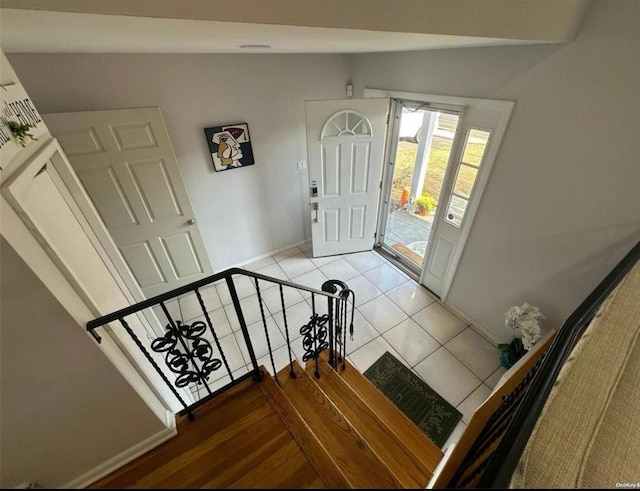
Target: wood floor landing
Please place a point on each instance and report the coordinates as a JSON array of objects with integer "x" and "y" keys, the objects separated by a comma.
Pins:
[
  {"x": 331, "y": 429},
  {"x": 247, "y": 447}
]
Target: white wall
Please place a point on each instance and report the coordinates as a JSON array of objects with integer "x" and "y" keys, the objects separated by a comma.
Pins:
[
  {"x": 562, "y": 205},
  {"x": 68, "y": 416},
  {"x": 65, "y": 409},
  {"x": 244, "y": 212}
]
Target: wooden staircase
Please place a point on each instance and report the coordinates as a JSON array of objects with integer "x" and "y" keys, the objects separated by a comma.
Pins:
[
  {"x": 334, "y": 431},
  {"x": 368, "y": 441}
]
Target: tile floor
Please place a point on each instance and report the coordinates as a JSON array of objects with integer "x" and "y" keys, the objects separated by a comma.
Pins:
[{"x": 393, "y": 313}]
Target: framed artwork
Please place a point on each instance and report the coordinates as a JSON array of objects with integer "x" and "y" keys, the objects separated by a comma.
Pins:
[{"x": 230, "y": 146}]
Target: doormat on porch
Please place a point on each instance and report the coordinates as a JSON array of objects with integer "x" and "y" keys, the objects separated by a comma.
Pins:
[
  {"x": 410, "y": 254},
  {"x": 421, "y": 404}
]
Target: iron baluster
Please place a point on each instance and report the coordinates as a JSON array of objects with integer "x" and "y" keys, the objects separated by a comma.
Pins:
[
  {"x": 343, "y": 330},
  {"x": 315, "y": 334},
  {"x": 344, "y": 341},
  {"x": 266, "y": 331},
  {"x": 329, "y": 287},
  {"x": 257, "y": 375},
  {"x": 153, "y": 363},
  {"x": 353, "y": 312},
  {"x": 213, "y": 332},
  {"x": 286, "y": 331},
  {"x": 333, "y": 340},
  {"x": 337, "y": 328}
]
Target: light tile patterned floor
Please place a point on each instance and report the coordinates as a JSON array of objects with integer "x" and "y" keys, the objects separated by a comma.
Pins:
[{"x": 393, "y": 313}]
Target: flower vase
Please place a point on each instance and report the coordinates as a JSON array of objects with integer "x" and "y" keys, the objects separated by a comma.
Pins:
[
  {"x": 504, "y": 359},
  {"x": 511, "y": 353}
]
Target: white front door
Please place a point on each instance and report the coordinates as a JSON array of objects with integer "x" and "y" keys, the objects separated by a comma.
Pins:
[
  {"x": 126, "y": 163},
  {"x": 345, "y": 146}
]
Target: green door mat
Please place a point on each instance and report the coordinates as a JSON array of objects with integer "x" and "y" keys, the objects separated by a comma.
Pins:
[{"x": 422, "y": 405}]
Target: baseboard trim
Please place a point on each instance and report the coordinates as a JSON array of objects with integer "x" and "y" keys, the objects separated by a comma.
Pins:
[
  {"x": 266, "y": 254},
  {"x": 481, "y": 330},
  {"x": 123, "y": 458}
]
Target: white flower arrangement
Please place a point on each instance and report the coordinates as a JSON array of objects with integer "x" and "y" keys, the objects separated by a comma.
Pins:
[
  {"x": 525, "y": 321},
  {"x": 525, "y": 318}
]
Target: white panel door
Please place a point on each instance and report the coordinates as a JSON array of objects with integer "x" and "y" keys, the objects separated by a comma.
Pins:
[
  {"x": 126, "y": 163},
  {"x": 345, "y": 146}
]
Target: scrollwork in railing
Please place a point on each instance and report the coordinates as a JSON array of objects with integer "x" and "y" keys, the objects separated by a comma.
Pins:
[
  {"x": 190, "y": 357},
  {"x": 314, "y": 336},
  {"x": 184, "y": 363}
]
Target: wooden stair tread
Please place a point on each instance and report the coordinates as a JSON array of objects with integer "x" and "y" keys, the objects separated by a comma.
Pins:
[
  {"x": 308, "y": 442},
  {"x": 419, "y": 445},
  {"x": 389, "y": 449},
  {"x": 348, "y": 449}
]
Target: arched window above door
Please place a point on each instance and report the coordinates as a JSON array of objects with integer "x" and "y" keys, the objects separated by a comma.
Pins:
[{"x": 346, "y": 123}]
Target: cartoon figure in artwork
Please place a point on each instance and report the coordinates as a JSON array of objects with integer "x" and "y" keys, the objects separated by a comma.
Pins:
[
  {"x": 229, "y": 152},
  {"x": 230, "y": 146}
]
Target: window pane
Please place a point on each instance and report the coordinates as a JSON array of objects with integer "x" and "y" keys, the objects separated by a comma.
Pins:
[
  {"x": 465, "y": 180},
  {"x": 441, "y": 145},
  {"x": 475, "y": 146},
  {"x": 455, "y": 212},
  {"x": 405, "y": 159}
]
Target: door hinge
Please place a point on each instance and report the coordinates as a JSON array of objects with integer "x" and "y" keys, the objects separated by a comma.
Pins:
[
  {"x": 375, "y": 234},
  {"x": 380, "y": 185}
]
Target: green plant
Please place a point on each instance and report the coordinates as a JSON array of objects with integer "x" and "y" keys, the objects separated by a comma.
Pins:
[
  {"x": 426, "y": 202},
  {"x": 21, "y": 131}
]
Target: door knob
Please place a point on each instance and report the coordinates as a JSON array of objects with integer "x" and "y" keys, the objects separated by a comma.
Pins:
[{"x": 191, "y": 221}]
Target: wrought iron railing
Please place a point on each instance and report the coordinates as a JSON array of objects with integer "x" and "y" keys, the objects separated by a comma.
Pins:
[{"x": 191, "y": 349}]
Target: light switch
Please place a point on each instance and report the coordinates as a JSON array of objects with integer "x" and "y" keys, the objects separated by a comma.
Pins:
[{"x": 302, "y": 164}]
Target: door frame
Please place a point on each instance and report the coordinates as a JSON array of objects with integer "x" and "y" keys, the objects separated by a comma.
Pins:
[
  {"x": 501, "y": 106},
  {"x": 115, "y": 262},
  {"x": 86, "y": 213},
  {"x": 115, "y": 343},
  {"x": 391, "y": 148}
]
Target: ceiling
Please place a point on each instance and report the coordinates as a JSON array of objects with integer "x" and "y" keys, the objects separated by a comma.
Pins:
[{"x": 216, "y": 26}]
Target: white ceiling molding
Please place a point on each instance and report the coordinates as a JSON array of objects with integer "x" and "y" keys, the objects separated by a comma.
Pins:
[
  {"x": 288, "y": 26},
  {"x": 534, "y": 20}
]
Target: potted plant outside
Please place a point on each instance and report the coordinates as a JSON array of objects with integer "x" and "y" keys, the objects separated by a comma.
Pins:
[{"x": 425, "y": 203}]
